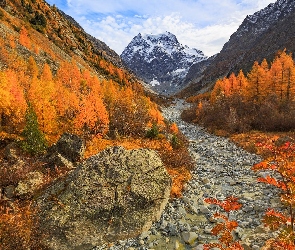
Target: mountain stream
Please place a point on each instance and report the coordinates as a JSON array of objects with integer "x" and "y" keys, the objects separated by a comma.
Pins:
[{"x": 221, "y": 169}]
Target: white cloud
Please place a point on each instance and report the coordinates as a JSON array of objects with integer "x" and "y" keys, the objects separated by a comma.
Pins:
[
  {"x": 202, "y": 24},
  {"x": 118, "y": 32}
]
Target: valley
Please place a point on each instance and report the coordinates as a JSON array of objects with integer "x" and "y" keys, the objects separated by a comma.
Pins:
[
  {"x": 221, "y": 169},
  {"x": 140, "y": 151}
]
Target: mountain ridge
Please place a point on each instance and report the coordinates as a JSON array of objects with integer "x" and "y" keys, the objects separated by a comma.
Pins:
[
  {"x": 260, "y": 36},
  {"x": 160, "y": 60}
]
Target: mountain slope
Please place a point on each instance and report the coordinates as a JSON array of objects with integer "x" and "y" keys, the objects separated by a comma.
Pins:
[
  {"x": 61, "y": 29},
  {"x": 160, "y": 60},
  {"x": 260, "y": 36},
  {"x": 74, "y": 82}
]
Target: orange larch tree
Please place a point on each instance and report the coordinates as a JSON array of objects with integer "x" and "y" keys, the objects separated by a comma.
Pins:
[
  {"x": 24, "y": 38},
  {"x": 41, "y": 95},
  {"x": 242, "y": 83},
  {"x": 5, "y": 98},
  {"x": 275, "y": 78},
  {"x": 18, "y": 105},
  {"x": 46, "y": 74},
  {"x": 287, "y": 77},
  {"x": 217, "y": 91},
  {"x": 255, "y": 83},
  {"x": 92, "y": 118}
]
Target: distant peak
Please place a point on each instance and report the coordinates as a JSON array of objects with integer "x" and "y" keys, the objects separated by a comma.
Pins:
[
  {"x": 160, "y": 60},
  {"x": 161, "y": 35}
]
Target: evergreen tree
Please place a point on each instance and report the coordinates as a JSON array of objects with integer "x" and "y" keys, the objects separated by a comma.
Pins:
[{"x": 34, "y": 140}]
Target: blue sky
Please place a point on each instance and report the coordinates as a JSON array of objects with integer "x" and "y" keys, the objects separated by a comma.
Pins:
[{"x": 200, "y": 24}]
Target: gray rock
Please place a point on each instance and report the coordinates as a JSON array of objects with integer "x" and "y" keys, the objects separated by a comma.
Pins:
[
  {"x": 199, "y": 247},
  {"x": 57, "y": 160},
  {"x": 204, "y": 210},
  {"x": 172, "y": 229},
  {"x": 9, "y": 191},
  {"x": 12, "y": 152},
  {"x": 70, "y": 146},
  {"x": 113, "y": 195},
  {"x": 189, "y": 237},
  {"x": 29, "y": 185}
]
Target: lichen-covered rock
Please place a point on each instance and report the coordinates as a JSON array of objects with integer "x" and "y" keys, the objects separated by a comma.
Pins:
[
  {"x": 57, "y": 160},
  {"x": 28, "y": 186},
  {"x": 70, "y": 146},
  {"x": 113, "y": 195}
]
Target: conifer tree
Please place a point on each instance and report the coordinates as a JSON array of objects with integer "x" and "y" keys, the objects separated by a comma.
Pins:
[{"x": 34, "y": 140}]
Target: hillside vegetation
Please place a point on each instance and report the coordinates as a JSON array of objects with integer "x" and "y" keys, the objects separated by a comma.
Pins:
[
  {"x": 263, "y": 100},
  {"x": 56, "y": 79}
]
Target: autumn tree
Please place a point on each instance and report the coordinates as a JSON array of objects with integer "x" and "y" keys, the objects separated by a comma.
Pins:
[
  {"x": 46, "y": 73},
  {"x": 242, "y": 83},
  {"x": 92, "y": 117},
  {"x": 287, "y": 77},
  {"x": 217, "y": 91},
  {"x": 275, "y": 85},
  {"x": 32, "y": 68},
  {"x": 12, "y": 42},
  {"x": 255, "y": 81},
  {"x": 24, "y": 38},
  {"x": 41, "y": 96},
  {"x": 264, "y": 100},
  {"x": 5, "y": 98},
  {"x": 18, "y": 104}
]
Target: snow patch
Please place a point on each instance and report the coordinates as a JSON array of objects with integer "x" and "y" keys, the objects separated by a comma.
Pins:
[{"x": 154, "y": 82}]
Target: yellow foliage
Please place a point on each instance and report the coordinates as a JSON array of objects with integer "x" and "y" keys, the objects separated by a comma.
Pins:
[
  {"x": 174, "y": 128},
  {"x": 179, "y": 177}
]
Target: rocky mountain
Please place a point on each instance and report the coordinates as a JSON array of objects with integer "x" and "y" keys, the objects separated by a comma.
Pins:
[
  {"x": 160, "y": 60},
  {"x": 260, "y": 36}
]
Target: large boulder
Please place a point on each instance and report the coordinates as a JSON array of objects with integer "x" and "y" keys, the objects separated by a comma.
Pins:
[
  {"x": 68, "y": 149},
  {"x": 113, "y": 195}
]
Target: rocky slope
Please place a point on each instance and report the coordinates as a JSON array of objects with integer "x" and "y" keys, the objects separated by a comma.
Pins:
[
  {"x": 221, "y": 169},
  {"x": 260, "y": 36},
  {"x": 160, "y": 60}
]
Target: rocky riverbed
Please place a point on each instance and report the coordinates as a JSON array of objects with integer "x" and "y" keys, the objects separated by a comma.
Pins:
[{"x": 221, "y": 169}]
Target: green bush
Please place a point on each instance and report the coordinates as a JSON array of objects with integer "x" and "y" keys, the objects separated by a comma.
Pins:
[
  {"x": 39, "y": 20},
  {"x": 175, "y": 142},
  {"x": 34, "y": 140},
  {"x": 153, "y": 132}
]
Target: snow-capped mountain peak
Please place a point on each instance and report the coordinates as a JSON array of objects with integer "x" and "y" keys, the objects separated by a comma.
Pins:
[{"x": 160, "y": 59}]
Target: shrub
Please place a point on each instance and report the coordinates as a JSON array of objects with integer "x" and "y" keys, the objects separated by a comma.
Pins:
[
  {"x": 19, "y": 227},
  {"x": 175, "y": 142},
  {"x": 39, "y": 20},
  {"x": 153, "y": 132},
  {"x": 236, "y": 115}
]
